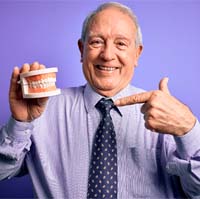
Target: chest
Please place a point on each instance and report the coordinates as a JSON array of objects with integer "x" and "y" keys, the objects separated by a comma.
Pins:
[{"x": 63, "y": 144}]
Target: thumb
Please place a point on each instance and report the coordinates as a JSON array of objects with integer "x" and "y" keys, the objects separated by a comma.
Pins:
[{"x": 163, "y": 85}]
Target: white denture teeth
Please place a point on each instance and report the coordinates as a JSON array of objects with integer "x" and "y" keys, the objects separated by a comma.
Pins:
[{"x": 44, "y": 83}]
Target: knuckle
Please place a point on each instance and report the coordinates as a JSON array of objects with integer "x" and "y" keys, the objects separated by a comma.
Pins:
[
  {"x": 156, "y": 93},
  {"x": 129, "y": 100},
  {"x": 152, "y": 113},
  {"x": 135, "y": 98},
  {"x": 155, "y": 99},
  {"x": 124, "y": 101},
  {"x": 153, "y": 104},
  {"x": 149, "y": 124}
]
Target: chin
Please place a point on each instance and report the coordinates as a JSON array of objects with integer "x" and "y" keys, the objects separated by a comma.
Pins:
[
  {"x": 106, "y": 87},
  {"x": 107, "y": 91}
]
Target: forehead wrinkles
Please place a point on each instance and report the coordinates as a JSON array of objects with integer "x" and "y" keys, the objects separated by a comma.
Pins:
[{"x": 110, "y": 22}]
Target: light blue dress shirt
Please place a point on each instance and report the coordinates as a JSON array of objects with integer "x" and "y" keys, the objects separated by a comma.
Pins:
[{"x": 55, "y": 150}]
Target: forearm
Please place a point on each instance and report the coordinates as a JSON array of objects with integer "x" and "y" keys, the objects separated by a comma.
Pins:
[
  {"x": 185, "y": 161},
  {"x": 14, "y": 144}
]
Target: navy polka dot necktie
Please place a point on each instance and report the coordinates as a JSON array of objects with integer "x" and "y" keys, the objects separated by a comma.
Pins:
[{"x": 102, "y": 182}]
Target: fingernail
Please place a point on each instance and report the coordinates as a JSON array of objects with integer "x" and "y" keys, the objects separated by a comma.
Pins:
[
  {"x": 117, "y": 102},
  {"x": 16, "y": 68},
  {"x": 36, "y": 62}
]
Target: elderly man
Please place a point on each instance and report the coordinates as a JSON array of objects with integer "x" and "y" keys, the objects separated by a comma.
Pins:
[{"x": 82, "y": 145}]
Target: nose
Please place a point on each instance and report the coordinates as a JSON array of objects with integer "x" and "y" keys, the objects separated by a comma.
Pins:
[{"x": 107, "y": 52}]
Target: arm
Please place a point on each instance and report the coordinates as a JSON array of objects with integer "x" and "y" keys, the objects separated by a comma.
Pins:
[
  {"x": 14, "y": 144},
  {"x": 184, "y": 161},
  {"x": 165, "y": 114},
  {"x": 15, "y": 136}
]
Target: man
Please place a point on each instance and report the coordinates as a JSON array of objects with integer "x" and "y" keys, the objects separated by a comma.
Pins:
[{"x": 157, "y": 137}]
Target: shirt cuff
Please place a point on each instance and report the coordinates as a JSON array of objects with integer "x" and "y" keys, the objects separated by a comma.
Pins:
[
  {"x": 189, "y": 144},
  {"x": 19, "y": 131}
]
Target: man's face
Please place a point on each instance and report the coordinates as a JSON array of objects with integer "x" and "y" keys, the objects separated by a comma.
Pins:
[{"x": 109, "y": 54}]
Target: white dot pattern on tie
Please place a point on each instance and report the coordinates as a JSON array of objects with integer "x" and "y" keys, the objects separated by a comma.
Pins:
[{"x": 102, "y": 182}]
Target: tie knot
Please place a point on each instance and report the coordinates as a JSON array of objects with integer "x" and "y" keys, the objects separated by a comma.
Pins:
[{"x": 104, "y": 105}]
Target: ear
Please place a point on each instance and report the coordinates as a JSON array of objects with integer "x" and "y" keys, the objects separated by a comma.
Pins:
[
  {"x": 80, "y": 46},
  {"x": 138, "y": 53}
]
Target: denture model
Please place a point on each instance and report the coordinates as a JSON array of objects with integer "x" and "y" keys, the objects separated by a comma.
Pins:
[{"x": 39, "y": 83}]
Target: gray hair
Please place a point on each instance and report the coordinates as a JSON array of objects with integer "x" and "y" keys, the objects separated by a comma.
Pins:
[{"x": 122, "y": 8}]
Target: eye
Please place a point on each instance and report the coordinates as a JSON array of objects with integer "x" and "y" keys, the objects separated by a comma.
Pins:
[
  {"x": 96, "y": 43},
  {"x": 121, "y": 45}
]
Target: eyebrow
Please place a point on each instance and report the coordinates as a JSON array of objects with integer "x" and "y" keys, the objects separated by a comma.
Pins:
[{"x": 117, "y": 36}]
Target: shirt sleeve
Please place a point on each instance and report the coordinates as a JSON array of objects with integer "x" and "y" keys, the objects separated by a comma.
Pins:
[
  {"x": 185, "y": 161},
  {"x": 15, "y": 142}
]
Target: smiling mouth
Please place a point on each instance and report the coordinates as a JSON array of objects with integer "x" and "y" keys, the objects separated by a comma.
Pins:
[{"x": 106, "y": 68}]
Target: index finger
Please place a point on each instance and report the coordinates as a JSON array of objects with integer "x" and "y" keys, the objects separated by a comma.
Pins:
[
  {"x": 25, "y": 68},
  {"x": 134, "y": 99}
]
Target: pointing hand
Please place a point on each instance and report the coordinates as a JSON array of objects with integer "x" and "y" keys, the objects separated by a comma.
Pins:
[{"x": 162, "y": 112}]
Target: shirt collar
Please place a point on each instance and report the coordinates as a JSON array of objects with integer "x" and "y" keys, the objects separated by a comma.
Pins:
[{"x": 91, "y": 98}]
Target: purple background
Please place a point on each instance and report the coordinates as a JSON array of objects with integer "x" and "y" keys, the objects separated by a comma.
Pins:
[{"x": 47, "y": 31}]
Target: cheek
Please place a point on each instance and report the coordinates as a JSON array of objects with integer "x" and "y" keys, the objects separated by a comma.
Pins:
[
  {"x": 128, "y": 73},
  {"x": 87, "y": 68},
  {"x": 89, "y": 58},
  {"x": 128, "y": 68},
  {"x": 128, "y": 62},
  {"x": 131, "y": 57}
]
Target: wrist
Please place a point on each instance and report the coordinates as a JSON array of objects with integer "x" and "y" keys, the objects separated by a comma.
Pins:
[
  {"x": 22, "y": 120},
  {"x": 187, "y": 126}
]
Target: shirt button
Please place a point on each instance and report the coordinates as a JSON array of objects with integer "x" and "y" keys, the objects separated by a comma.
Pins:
[{"x": 27, "y": 131}]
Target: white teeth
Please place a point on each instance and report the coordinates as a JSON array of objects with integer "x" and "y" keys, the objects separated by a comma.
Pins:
[
  {"x": 43, "y": 83},
  {"x": 106, "y": 68}
]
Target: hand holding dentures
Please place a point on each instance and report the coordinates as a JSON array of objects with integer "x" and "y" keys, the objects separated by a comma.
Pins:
[{"x": 30, "y": 88}]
